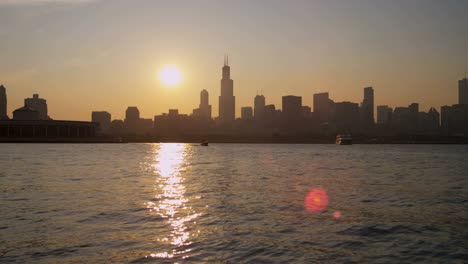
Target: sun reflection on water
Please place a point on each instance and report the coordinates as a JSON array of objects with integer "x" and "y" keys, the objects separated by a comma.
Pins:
[{"x": 171, "y": 202}]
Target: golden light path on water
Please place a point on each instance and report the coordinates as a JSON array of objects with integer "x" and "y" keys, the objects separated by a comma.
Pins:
[{"x": 171, "y": 203}]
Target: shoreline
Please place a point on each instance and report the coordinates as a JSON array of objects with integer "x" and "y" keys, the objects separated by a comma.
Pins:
[{"x": 242, "y": 140}]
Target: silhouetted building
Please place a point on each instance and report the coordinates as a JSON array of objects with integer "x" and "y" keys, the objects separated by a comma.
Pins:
[
  {"x": 44, "y": 130},
  {"x": 3, "y": 103},
  {"x": 204, "y": 110},
  {"x": 26, "y": 113},
  {"x": 346, "y": 115},
  {"x": 322, "y": 107},
  {"x": 227, "y": 100},
  {"x": 38, "y": 104},
  {"x": 246, "y": 113},
  {"x": 367, "y": 107},
  {"x": 306, "y": 111},
  {"x": 413, "y": 118},
  {"x": 117, "y": 127},
  {"x": 103, "y": 118},
  {"x": 429, "y": 123},
  {"x": 270, "y": 113},
  {"x": 291, "y": 107},
  {"x": 145, "y": 126},
  {"x": 463, "y": 91},
  {"x": 406, "y": 119},
  {"x": 384, "y": 114},
  {"x": 133, "y": 124},
  {"x": 132, "y": 118},
  {"x": 401, "y": 119},
  {"x": 173, "y": 112},
  {"x": 173, "y": 124},
  {"x": 132, "y": 114},
  {"x": 414, "y": 107},
  {"x": 259, "y": 107},
  {"x": 454, "y": 120}
]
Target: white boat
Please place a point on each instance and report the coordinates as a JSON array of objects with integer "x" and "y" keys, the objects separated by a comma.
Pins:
[{"x": 344, "y": 139}]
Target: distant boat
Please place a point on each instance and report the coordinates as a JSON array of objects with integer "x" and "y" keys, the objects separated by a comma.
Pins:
[
  {"x": 204, "y": 143},
  {"x": 344, "y": 139}
]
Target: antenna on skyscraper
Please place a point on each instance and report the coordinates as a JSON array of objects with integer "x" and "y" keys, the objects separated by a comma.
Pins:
[{"x": 226, "y": 60}]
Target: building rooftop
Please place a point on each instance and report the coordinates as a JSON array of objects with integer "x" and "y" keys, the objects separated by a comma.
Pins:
[{"x": 25, "y": 109}]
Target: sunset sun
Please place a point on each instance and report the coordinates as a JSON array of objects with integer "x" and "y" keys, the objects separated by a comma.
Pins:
[{"x": 170, "y": 75}]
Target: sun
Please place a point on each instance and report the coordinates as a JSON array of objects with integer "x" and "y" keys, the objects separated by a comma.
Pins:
[{"x": 170, "y": 75}]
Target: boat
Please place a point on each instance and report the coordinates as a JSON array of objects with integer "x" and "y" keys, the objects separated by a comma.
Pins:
[
  {"x": 344, "y": 139},
  {"x": 204, "y": 143}
]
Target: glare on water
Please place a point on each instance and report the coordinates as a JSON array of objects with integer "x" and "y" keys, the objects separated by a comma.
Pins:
[{"x": 170, "y": 201}]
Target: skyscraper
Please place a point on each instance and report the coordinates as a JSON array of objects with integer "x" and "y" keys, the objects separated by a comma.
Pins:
[
  {"x": 367, "y": 107},
  {"x": 413, "y": 117},
  {"x": 204, "y": 108},
  {"x": 259, "y": 107},
  {"x": 270, "y": 111},
  {"x": 292, "y": 107},
  {"x": 204, "y": 98},
  {"x": 103, "y": 118},
  {"x": 132, "y": 114},
  {"x": 227, "y": 100},
  {"x": 463, "y": 91},
  {"x": 3, "y": 102},
  {"x": 38, "y": 104},
  {"x": 246, "y": 113},
  {"x": 322, "y": 107},
  {"x": 384, "y": 114},
  {"x": 132, "y": 122},
  {"x": 306, "y": 111},
  {"x": 346, "y": 116}
]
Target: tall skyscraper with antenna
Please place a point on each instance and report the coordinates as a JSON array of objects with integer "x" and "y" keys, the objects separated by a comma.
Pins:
[{"x": 227, "y": 100}]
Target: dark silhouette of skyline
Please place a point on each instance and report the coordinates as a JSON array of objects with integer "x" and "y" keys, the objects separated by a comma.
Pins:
[{"x": 327, "y": 118}]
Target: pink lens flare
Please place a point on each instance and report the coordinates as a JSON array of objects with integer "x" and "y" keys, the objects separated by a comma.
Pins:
[
  {"x": 316, "y": 200},
  {"x": 337, "y": 214}
]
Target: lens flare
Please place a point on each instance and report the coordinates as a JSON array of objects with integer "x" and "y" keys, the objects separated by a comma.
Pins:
[
  {"x": 337, "y": 214},
  {"x": 316, "y": 200}
]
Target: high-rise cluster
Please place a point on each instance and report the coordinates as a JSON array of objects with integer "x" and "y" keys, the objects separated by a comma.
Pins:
[{"x": 292, "y": 117}]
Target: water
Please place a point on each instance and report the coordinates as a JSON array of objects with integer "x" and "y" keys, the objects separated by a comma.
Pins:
[{"x": 232, "y": 203}]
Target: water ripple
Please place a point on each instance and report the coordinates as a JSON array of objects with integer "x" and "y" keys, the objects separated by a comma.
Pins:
[{"x": 232, "y": 203}]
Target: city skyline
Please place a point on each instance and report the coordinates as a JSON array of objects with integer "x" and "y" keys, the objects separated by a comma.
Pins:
[
  {"x": 409, "y": 52},
  {"x": 370, "y": 110},
  {"x": 121, "y": 115}
]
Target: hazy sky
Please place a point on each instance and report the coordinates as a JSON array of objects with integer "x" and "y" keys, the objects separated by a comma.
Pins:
[{"x": 85, "y": 55}]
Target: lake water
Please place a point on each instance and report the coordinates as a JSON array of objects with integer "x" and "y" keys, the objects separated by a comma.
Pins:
[{"x": 233, "y": 203}]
